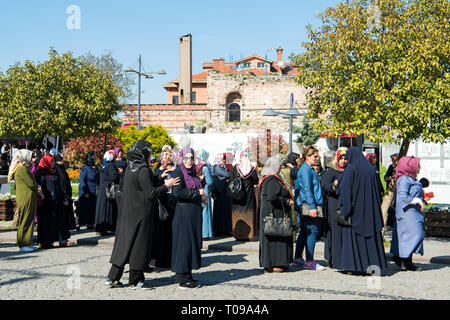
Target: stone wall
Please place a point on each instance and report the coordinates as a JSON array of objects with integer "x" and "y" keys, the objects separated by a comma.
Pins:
[
  {"x": 254, "y": 94},
  {"x": 257, "y": 94}
]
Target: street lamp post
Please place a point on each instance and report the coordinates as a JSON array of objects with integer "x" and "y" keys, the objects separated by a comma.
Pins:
[
  {"x": 291, "y": 114},
  {"x": 147, "y": 75}
]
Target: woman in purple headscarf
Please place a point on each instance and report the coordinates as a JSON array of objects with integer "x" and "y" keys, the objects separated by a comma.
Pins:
[
  {"x": 407, "y": 237},
  {"x": 187, "y": 222}
]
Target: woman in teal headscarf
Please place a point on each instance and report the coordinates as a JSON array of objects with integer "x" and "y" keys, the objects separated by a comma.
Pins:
[{"x": 206, "y": 172}]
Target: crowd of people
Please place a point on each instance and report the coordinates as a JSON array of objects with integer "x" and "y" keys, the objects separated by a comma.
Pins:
[{"x": 160, "y": 213}]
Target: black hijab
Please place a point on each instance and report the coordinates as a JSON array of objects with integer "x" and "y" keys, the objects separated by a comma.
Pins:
[
  {"x": 89, "y": 159},
  {"x": 138, "y": 154},
  {"x": 366, "y": 212}
]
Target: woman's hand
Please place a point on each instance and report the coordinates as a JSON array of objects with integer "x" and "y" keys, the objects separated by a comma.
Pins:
[
  {"x": 172, "y": 182},
  {"x": 291, "y": 202},
  {"x": 202, "y": 192},
  {"x": 422, "y": 207},
  {"x": 120, "y": 170},
  {"x": 166, "y": 173},
  {"x": 336, "y": 183},
  {"x": 313, "y": 213}
]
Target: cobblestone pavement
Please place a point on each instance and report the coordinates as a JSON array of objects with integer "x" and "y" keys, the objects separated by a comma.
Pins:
[{"x": 79, "y": 273}]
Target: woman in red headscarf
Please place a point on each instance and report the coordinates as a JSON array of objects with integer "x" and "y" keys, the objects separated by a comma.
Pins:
[
  {"x": 409, "y": 214},
  {"x": 50, "y": 215}
]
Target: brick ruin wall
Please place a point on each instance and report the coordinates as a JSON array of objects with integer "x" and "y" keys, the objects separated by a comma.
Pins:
[{"x": 254, "y": 94}]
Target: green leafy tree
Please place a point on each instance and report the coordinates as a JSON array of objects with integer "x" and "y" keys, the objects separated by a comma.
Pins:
[
  {"x": 380, "y": 69},
  {"x": 156, "y": 135},
  {"x": 63, "y": 96},
  {"x": 307, "y": 135}
]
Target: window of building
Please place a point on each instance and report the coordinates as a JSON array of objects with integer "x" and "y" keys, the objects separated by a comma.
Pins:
[
  {"x": 194, "y": 97},
  {"x": 175, "y": 100},
  {"x": 261, "y": 64},
  {"x": 246, "y": 65},
  {"x": 234, "y": 112}
]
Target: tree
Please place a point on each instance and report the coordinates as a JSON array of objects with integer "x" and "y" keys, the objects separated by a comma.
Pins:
[
  {"x": 380, "y": 69},
  {"x": 307, "y": 135},
  {"x": 107, "y": 63},
  {"x": 63, "y": 96},
  {"x": 156, "y": 135}
]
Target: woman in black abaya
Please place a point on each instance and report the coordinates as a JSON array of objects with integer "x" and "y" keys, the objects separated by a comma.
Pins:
[
  {"x": 133, "y": 241},
  {"x": 359, "y": 197}
]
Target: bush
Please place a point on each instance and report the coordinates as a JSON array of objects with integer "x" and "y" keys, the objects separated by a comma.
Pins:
[
  {"x": 156, "y": 135},
  {"x": 77, "y": 149}
]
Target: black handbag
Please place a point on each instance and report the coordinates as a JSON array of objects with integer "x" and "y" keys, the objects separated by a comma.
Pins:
[
  {"x": 112, "y": 191},
  {"x": 278, "y": 227},
  {"x": 163, "y": 214},
  {"x": 339, "y": 218},
  {"x": 237, "y": 189}
]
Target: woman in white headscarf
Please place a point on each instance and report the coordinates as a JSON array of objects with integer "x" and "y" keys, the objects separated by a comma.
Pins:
[
  {"x": 244, "y": 215},
  {"x": 26, "y": 198},
  {"x": 275, "y": 253}
]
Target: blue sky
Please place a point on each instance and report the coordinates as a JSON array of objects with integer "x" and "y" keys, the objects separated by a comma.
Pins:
[{"x": 228, "y": 29}]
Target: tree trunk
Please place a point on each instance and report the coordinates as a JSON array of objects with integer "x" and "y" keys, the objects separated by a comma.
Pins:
[{"x": 391, "y": 186}]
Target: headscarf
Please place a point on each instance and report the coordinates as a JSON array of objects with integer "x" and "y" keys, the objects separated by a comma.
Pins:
[
  {"x": 228, "y": 157},
  {"x": 45, "y": 165},
  {"x": 116, "y": 152},
  {"x": 272, "y": 165},
  {"x": 191, "y": 178},
  {"x": 138, "y": 155},
  {"x": 202, "y": 156},
  {"x": 292, "y": 158},
  {"x": 341, "y": 151},
  {"x": 107, "y": 157},
  {"x": 245, "y": 166},
  {"x": 22, "y": 157},
  {"x": 89, "y": 159},
  {"x": 407, "y": 166},
  {"x": 371, "y": 157},
  {"x": 164, "y": 161}
]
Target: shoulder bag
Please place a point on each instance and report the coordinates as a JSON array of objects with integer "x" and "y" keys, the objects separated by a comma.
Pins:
[
  {"x": 112, "y": 191},
  {"x": 278, "y": 227}
]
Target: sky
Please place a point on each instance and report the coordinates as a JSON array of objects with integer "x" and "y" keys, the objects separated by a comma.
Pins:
[{"x": 227, "y": 29}]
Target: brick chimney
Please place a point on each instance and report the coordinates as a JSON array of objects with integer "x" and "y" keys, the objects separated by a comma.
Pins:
[
  {"x": 185, "y": 85},
  {"x": 280, "y": 54}
]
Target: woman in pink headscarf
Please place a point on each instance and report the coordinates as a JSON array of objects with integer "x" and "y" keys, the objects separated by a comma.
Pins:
[{"x": 409, "y": 214}]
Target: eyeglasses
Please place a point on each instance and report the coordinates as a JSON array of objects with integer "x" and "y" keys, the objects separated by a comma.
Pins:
[{"x": 188, "y": 158}]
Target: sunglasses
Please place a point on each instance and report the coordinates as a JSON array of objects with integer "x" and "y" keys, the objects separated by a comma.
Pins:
[{"x": 188, "y": 158}]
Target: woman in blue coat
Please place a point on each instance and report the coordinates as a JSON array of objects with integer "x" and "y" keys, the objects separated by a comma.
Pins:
[
  {"x": 409, "y": 214},
  {"x": 87, "y": 198},
  {"x": 207, "y": 175}
]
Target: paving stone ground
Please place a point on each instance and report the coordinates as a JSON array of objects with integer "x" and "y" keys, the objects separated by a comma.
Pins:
[{"x": 79, "y": 273}]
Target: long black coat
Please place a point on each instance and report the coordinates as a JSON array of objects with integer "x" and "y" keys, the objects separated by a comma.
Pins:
[
  {"x": 333, "y": 234},
  {"x": 274, "y": 251},
  {"x": 66, "y": 188},
  {"x": 362, "y": 243},
  {"x": 162, "y": 237},
  {"x": 222, "y": 221},
  {"x": 50, "y": 215},
  {"x": 249, "y": 202},
  {"x": 133, "y": 241},
  {"x": 106, "y": 209},
  {"x": 186, "y": 227}
]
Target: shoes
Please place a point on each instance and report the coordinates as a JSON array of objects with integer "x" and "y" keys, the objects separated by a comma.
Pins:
[
  {"x": 313, "y": 265},
  {"x": 67, "y": 244},
  {"x": 150, "y": 269},
  {"x": 410, "y": 267},
  {"x": 113, "y": 284},
  {"x": 46, "y": 246},
  {"x": 27, "y": 249},
  {"x": 299, "y": 262},
  {"x": 141, "y": 286},
  {"x": 397, "y": 261},
  {"x": 193, "y": 284}
]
